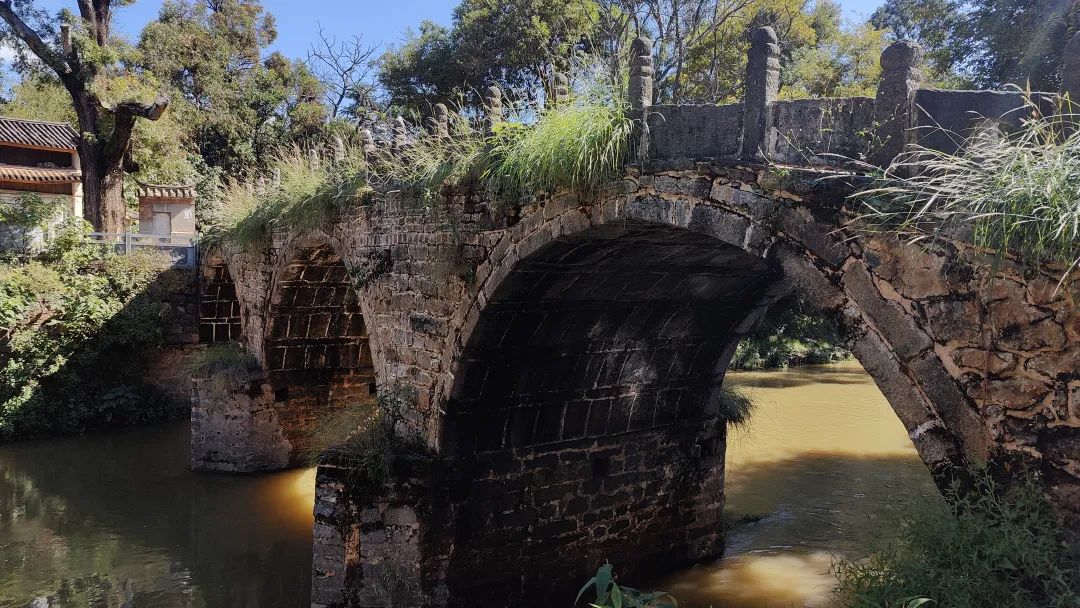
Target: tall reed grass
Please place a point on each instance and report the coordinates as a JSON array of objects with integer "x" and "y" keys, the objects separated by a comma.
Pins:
[
  {"x": 580, "y": 144},
  {"x": 1014, "y": 193}
]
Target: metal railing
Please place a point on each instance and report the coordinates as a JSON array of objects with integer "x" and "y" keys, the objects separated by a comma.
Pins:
[{"x": 181, "y": 248}]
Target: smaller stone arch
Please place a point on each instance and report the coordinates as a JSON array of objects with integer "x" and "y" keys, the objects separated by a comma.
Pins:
[
  {"x": 317, "y": 349},
  {"x": 219, "y": 306}
]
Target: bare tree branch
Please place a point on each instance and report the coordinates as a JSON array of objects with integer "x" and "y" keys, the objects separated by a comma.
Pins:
[
  {"x": 38, "y": 46},
  {"x": 343, "y": 68}
]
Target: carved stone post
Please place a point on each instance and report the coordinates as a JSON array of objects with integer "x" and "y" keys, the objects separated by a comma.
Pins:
[
  {"x": 313, "y": 159},
  {"x": 275, "y": 178},
  {"x": 762, "y": 89},
  {"x": 399, "y": 135},
  {"x": 1070, "y": 71},
  {"x": 440, "y": 122},
  {"x": 894, "y": 109},
  {"x": 339, "y": 150},
  {"x": 493, "y": 108},
  {"x": 641, "y": 91},
  {"x": 560, "y": 90},
  {"x": 367, "y": 141},
  {"x": 641, "y": 74}
]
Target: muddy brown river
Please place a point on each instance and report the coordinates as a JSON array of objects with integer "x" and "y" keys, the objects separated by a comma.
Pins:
[{"x": 117, "y": 520}]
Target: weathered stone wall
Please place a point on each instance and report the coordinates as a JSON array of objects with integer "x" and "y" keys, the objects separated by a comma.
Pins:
[
  {"x": 235, "y": 427},
  {"x": 822, "y": 131}
]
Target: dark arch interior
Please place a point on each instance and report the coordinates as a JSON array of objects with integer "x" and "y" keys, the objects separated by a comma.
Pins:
[
  {"x": 584, "y": 412},
  {"x": 317, "y": 351}
]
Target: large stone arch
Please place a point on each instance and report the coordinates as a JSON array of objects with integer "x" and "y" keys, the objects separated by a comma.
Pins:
[{"x": 586, "y": 421}]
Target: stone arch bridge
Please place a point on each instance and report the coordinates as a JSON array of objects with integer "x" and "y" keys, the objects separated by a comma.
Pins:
[{"x": 564, "y": 363}]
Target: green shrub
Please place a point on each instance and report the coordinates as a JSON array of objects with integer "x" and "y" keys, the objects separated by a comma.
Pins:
[
  {"x": 1012, "y": 193},
  {"x": 609, "y": 594},
  {"x": 997, "y": 546},
  {"x": 580, "y": 145},
  {"x": 791, "y": 334},
  {"x": 365, "y": 437},
  {"x": 308, "y": 194},
  {"x": 735, "y": 406},
  {"x": 77, "y": 327}
]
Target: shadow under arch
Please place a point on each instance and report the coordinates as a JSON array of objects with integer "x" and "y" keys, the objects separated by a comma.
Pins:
[
  {"x": 317, "y": 349},
  {"x": 586, "y": 421}
]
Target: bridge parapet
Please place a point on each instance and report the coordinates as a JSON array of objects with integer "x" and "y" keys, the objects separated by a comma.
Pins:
[{"x": 838, "y": 131}]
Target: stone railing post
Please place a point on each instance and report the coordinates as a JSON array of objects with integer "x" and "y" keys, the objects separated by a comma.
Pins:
[
  {"x": 894, "y": 108},
  {"x": 641, "y": 90},
  {"x": 493, "y": 108},
  {"x": 399, "y": 135},
  {"x": 641, "y": 74},
  {"x": 1070, "y": 71},
  {"x": 560, "y": 90},
  {"x": 367, "y": 143},
  {"x": 440, "y": 121},
  {"x": 762, "y": 89},
  {"x": 339, "y": 150}
]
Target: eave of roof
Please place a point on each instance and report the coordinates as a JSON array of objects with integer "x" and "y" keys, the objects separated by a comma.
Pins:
[
  {"x": 171, "y": 192},
  {"x": 39, "y": 175},
  {"x": 38, "y": 134}
]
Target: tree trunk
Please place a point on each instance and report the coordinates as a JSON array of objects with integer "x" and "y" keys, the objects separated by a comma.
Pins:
[{"x": 103, "y": 194}]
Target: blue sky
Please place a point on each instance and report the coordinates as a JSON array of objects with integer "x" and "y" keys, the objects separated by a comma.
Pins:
[{"x": 379, "y": 21}]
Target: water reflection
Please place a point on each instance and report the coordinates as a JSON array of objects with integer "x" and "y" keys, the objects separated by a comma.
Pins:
[
  {"x": 827, "y": 466},
  {"x": 118, "y": 520}
]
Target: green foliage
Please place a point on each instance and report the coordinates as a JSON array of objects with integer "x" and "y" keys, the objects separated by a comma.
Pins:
[
  {"x": 845, "y": 62},
  {"x": 998, "y": 546},
  {"x": 609, "y": 594},
  {"x": 580, "y": 145},
  {"x": 365, "y": 437},
  {"x": 232, "y": 108},
  {"x": 1012, "y": 193},
  {"x": 430, "y": 162},
  {"x": 790, "y": 334},
  {"x": 307, "y": 195},
  {"x": 987, "y": 43},
  {"x": 29, "y": 210},
  {"x": 513, "y": 44},
  {"x": 38, "y": 97},
  {"x": 225, "y": 365},
  {"x": 76, "y": 329}
]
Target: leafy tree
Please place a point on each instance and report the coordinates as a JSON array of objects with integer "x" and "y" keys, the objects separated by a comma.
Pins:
[
  {"x": 1019, "y": 42},
  {"x": 423, "y": 69},
  {"x": 518, "y": 43},
  {"x": 938, "y": 25},
  {"x": 236, "y": 107},
  {"x": 845, "y": 61},
  {"x": 716, "y": 61},
  {"x": 515, "y": 44},
  {"x": 107, "y": 95},
  {"x": 987, "y": 43}
]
